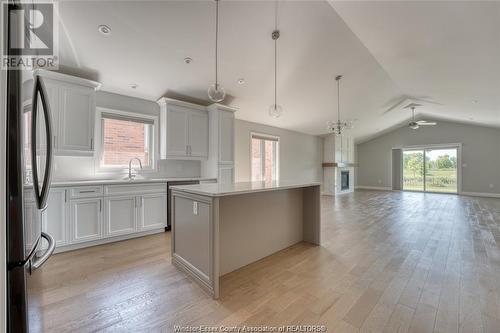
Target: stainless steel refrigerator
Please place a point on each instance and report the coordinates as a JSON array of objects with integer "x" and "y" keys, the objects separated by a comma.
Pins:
[{"x": 28, "y": 173}]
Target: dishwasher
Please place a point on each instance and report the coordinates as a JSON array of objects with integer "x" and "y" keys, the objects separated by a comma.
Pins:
[{"x": 169, "y": 197}]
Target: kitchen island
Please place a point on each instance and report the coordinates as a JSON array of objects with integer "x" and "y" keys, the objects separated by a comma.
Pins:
[{"x": 218, "y": 228}]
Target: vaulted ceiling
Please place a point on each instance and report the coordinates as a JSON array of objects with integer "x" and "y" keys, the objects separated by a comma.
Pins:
[{"x": 447, "y": 52}]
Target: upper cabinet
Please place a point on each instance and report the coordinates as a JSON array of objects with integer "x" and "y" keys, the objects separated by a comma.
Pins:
[
  {"x": 72, "y": 103},
  {"x": 220, "y": 162},
  {"x": 183, "y": 130}
]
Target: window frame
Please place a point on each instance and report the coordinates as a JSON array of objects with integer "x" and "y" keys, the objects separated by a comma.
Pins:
[
  {"x": 99, "y": 130},
  {"x": 276, "y": 162}
]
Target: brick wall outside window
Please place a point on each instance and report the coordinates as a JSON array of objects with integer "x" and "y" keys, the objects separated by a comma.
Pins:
[{"x": 124, "y": 140}]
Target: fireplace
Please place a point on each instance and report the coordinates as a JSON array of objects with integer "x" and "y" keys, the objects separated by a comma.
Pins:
[{"x": 344, "y": 180}]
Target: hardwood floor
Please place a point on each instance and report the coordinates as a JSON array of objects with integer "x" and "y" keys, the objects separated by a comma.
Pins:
[{"x": 390, "y": 262}]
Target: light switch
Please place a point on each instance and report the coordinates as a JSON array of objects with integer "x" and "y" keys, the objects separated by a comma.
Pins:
[{"x": 195, "y": 207}]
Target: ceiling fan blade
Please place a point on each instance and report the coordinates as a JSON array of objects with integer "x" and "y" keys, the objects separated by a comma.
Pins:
[{"x": 425, "y": 123}]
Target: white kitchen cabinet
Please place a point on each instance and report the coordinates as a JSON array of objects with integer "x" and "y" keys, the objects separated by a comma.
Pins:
[
  {"x": 183, "y": 130},
  {"x": 152, "y": 211},
  {"x": 220, "y": 162},
  {"x": 72, "y": 103},
  {"x": 226, "y": 174},
  {"x": 76, "y": 119},
  {"x": 120, "y": 215},
  {"x": 83, "y": 215},
  {"x": 55, "y": 216},
  {"x": 85, "y": 219},
  {"x": 198, "y": 134},
  {"x": 226, "y": 137},
  {"x": 177, "y": 132}
]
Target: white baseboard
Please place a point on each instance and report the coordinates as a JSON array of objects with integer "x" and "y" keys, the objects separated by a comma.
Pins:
[
  {"x": 479, "y": 194},
  {"x": 82, "y": 245},
  {"x": 377, "y": 188}
]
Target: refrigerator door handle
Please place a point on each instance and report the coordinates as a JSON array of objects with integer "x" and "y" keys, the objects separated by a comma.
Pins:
[
  {"x": 36, "y": 261},
  {"x": 42, "y": 194}
]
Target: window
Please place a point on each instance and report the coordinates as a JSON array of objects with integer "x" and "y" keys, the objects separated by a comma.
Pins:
[
  {"x": 264, "y": 157},
  {"x": 125, "y": 136}
]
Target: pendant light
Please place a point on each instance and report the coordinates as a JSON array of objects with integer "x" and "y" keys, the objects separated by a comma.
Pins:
[
  {"x": 215, "y": 92},
  {"x": 275, "y": 110},
  {"x": 338, "y": 127}
]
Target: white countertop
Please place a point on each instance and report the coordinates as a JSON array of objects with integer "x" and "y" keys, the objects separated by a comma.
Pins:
[
  {"x": 121, "y": 181},
  {"x": 220, "y": 190}
]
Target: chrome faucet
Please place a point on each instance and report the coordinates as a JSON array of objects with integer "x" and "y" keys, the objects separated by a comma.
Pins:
[{"x": 130, "y": 176}]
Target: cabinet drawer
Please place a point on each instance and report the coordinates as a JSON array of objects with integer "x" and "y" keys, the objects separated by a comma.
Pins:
[
  {"x": 135, "y": 189},
  {"x": 85, "y": 192}
]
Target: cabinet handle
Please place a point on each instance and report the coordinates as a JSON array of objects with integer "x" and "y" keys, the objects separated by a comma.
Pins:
[
  {"x": 92, "y": 143},
  {"x": 135, "y": 202},
  {"x": 66, "y": 195},
  {"x": 100, "y": 205},
  {"x": 87, "y": 191},
  {"x": 54, "y": 143}
]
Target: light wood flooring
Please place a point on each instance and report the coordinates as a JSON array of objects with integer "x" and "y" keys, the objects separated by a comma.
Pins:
[{"x": 390, "y": 262}]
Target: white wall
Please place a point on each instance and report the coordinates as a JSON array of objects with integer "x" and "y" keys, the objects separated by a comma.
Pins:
[
  {"x": 300, "y": 154},
  {"x": 75, "y": 168},
  {"x": 480, "y": 154}
]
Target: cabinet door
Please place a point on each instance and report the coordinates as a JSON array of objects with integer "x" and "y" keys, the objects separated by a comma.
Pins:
[
  {"x": 198, "y": 134},
  {"x": 76, "y": 120},
  {"x": 152, "y": 211},
  {"x": 177, "y": 131},
  {"x": 55, "y": 216},
  {"x": 120, "y": 215},
  {"x": 86, "y": 219},
  {"x": 226, "y": 174},
  {"x": 226, "y": 137}
]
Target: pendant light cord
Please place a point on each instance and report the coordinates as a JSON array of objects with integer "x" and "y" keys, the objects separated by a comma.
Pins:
[
  {"x": 275, "y": 55},
  {"x": 338, "y": 100},
  {"x": 216, "y": 41}
]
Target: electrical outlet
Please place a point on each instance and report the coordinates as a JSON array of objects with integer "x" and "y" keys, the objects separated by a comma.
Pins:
[
  {"x": 464, "y": 165},
  {"x": 195, "y": 207},
  {"x": 380, "y": 181},
  {"x": 491, "y": 185}
]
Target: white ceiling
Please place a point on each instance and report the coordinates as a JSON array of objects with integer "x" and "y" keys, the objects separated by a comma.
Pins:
[{"x": 446, "y": 51}]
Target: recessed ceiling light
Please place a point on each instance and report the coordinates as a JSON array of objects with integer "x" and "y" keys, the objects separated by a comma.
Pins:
[
  {"x": 133, "y": 85},
  {"x": 475, "y": 101},
  {"x": 188, "y": 60},
  {"x": 104, "y": 29},
  {"x": 241, "y": 81}
]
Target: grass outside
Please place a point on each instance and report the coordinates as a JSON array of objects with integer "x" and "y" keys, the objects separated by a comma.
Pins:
[{"x": 438, "y": 180}]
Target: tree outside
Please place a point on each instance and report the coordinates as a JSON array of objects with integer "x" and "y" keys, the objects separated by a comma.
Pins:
[{"x": 440, "y": 170}]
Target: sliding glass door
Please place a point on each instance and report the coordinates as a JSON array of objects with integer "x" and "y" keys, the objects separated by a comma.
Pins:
[
  {"x": 430, "y": 170},
  {"x": 413, "y": 170}
]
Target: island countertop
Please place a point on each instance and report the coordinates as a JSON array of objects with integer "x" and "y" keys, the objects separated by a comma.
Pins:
[{"x": 220, "y": 190}]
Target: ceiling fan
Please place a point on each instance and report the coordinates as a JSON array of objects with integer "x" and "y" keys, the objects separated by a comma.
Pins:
[{"x": 415, "y": 124}]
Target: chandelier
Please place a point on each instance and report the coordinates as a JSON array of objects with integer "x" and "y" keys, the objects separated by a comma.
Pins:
[{"x": 338, "y": 127}]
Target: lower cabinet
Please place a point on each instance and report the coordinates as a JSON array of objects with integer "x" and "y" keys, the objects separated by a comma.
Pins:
[
  {"x": 55, "y": 215},
  {"x": 120, "y": 215},
  {"x": 152, "y": 211},
  {"x": 85, "y": 219},
  {"x": 75, "y": 215}
]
